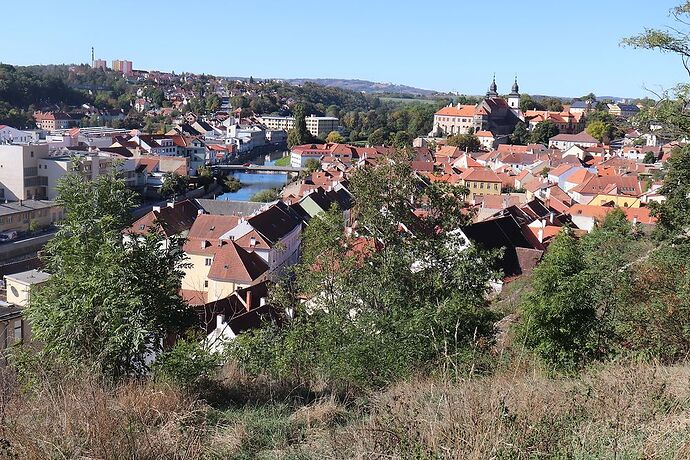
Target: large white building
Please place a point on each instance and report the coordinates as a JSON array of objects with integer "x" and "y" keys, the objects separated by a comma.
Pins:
[
  {"x": 12, "y": 135},
  {"x": 317, "y": 126},
  {"x": 89, "y": 166},
  {"x": 19, "y": 176}
]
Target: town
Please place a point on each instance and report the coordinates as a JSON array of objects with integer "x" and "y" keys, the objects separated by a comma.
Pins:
[{"x": 207, "y": 266}]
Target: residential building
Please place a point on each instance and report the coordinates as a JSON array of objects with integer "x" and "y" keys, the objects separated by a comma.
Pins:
[
  {"x": 317, "y": 126},
  {"x": 10, "y": 135},
  {"x": 24, "y": 215},
  {"x": 125, "y": 67},
  {"x": 51, "y": 121},
  {"x": 623, "y": 110},
  {"x": 481, "y": 181},
  {"x": 99, "y": 64},
  {"x": 19, "y": 177},
  {"x": 173, "y": 219},
  {"x": 217, "y": 266},
  {"x": 13, "y": 327},
  {"x": 565, "y": 141},
  {"x": 89, "y": 166}
]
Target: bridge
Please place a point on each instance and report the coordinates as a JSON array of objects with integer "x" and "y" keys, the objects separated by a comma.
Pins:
[{"x": 258, "y": 168}]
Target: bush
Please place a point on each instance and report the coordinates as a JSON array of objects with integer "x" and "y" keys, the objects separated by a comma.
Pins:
[
  {"x": 187, "y": 365},
  {"x": 265, "y": 196}
]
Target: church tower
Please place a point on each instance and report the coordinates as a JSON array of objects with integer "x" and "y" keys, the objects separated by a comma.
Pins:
[
  {"x": 514, "y": 96},
  {"x": 493, "y": 89}
]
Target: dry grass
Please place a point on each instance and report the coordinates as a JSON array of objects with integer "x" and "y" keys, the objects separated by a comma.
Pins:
[
  {"x": 618, "y": 411},
  {"x": 622, "y": 411},
  {"x": 79, "y": 417}
]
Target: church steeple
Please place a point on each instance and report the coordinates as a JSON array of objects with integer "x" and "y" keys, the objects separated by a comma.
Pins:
[
  {"x": 514, "y": 96},
  {"x": 493, "y": 89},
  {"x": 515, "y": 89}
]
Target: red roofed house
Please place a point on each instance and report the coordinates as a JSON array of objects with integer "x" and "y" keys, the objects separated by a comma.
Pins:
[
  {"x": 586, "y": 216},
  {"x": 217, "y": 267},
  {"x": 481, "y": 181}
]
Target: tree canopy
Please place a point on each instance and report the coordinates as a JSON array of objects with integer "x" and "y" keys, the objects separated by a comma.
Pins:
[{"x": 111, "y": 300}]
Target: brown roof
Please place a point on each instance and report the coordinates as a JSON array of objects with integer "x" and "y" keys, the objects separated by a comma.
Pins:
[
  {"x": 211, "y": 227},
  {"x": 234, "y": 264},
  {"x": 171, "y": 220}
]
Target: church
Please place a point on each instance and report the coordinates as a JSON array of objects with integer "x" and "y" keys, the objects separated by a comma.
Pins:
[{"x": 494, "y": 113}]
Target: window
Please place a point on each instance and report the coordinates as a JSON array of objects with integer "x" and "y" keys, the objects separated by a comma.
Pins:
[
  {"x": 208, "y": 261},
  {"x": 205, "y": 283},
  {"x": 17, "y": 330}
]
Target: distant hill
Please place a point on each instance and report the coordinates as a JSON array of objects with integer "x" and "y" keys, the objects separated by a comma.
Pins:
[{"x": 364, "y": 86}]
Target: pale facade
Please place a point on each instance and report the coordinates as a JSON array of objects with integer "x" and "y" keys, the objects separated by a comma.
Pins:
[{"x": 19, "y": 176}]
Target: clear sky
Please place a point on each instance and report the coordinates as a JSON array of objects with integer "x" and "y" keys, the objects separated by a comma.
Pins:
[{"x": 556, "y": 48}]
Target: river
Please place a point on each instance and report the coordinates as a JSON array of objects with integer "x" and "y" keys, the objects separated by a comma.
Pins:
[{"x": 256, "y": 182}]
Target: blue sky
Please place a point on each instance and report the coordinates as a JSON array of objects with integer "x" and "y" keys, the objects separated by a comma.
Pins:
[{"x": 436, "y": 44}]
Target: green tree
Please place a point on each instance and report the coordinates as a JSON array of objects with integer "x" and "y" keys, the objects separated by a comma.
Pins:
[
  {"x": 212, "y": 102},
  {"x": 378, "y": 137},
  {"x": 299, "y": 134},
  {"x": 674, "y": 213},
  {"x": 544, "y": 131},
  {"x": 188, "y": 364},
  {"x": 173, "y": 184},
  {"x": 465, "y": 142},
  {"x": 265, "y": 196},
  {"x": 529, "y": 103},
  {"x": 110, "y": 301},
  {"x": 520, "y": 134},
  {"x": 559, "y": 315},
  {"x": 668, "y": 115},
  {"x": 335, "y": 137},
  {"x": 598, "y": 130},
  {"x": 649, "y": 158},
  {"x": 371, "y": 318},
  {"x": 401, "y": 140}
]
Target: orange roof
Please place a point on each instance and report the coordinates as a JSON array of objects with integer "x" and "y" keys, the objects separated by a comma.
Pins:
[
  {"x": 580, "y": 176},
  {"x": 447, "y": 151},
  {"x": 640, "y": 215},
  {"x": 457, "y": 111},
  {"x": 480, "y": 175},
  {"x": 484, "y": 134}
]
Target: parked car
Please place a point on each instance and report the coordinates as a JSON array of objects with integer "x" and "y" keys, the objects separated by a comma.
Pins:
[{"x": 8, "y": 236}]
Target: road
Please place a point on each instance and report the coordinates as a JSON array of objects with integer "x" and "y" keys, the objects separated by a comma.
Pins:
[{"x": 22, "y": 247}]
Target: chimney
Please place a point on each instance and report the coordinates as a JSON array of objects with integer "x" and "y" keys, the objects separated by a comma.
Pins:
[
  {"x": 171, "y": 204},
  {"x": 262, "y": 301},
  {"x": 156, "y": 209},
  {"x": 540, "y": 235},
  {"x": 252, "y": 241},
  {"x": 634, "y": 220},
  {"x": 200, "y": 212},
  {"x": 551, "y": 217},
  {"x": 204, "y": 244},
  {"x": 249, "y": 299},
  {"x": 220, "y": 321}
]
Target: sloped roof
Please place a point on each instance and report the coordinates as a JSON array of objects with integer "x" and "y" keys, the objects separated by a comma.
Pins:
[
  {"x": 231, "y": 263},
  {"x": 171, "y": 220}
]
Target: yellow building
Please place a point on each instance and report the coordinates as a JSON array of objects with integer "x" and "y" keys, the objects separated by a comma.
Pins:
[
  {"x": 13, "y": 326},
  {"x": 481, "y": 181},
  {"x": 622, "y": 201},
  {"x": 217, "y": 268}
]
